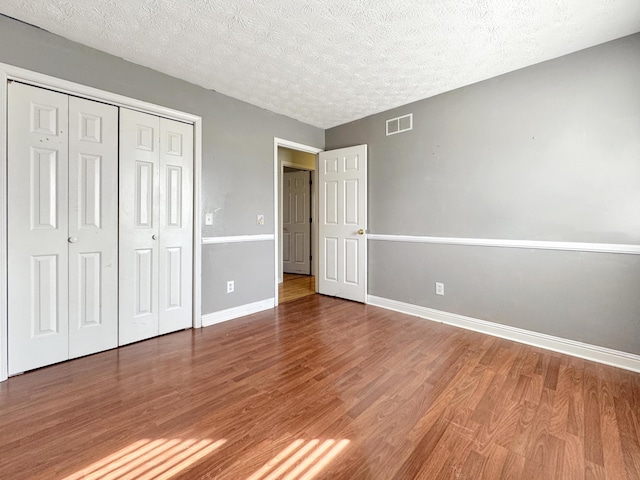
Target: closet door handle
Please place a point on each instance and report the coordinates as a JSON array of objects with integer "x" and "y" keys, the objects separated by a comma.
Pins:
[
  {"x": 154, "y": 237},
  {"x": 73, "y": 239}
]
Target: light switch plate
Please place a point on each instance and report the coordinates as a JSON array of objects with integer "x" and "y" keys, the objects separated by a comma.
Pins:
[
  {"x": 208, "y": 219},
  {"x": 260, "y": 219}
]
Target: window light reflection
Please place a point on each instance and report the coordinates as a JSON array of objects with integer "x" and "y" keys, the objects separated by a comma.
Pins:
[
  {"x": 163, "y": 459},
  {"x": 301, "y": 460},
  {"x": 149, "y": 459}
]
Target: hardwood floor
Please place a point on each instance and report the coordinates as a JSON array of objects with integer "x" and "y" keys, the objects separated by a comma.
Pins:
[
  {"x": 296, "y": 286},
  {"x": 322, "y": 388}
]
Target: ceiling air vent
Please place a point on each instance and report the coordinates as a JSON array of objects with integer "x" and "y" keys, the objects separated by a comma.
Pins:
[{"x": 400, "y": 124}]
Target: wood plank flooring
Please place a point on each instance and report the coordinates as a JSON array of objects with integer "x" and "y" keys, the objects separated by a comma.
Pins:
[
  {"x": 296, "y": 286},
  {"x": 326, "y": 389}
]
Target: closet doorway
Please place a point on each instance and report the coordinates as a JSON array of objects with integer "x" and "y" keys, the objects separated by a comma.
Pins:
[{"x": 66, "y": 153}]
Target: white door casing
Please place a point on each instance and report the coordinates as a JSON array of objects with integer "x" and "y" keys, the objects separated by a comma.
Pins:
[
  {"x": 176, "y": 225},
  {"x": 139, "y": 226},
  {"x": 37, "y": 228},
  {"x": 93, "y": 227},
  {"x": 296, "y": 229},
  {"x": 342, "y": 222}
]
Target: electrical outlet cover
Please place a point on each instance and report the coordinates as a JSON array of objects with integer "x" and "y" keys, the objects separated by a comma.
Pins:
[{"x": 260, "y": 219}]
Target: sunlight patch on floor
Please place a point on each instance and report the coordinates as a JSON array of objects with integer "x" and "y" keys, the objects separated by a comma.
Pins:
[
  {"x": 149, "y": 459},
  {"x": 300, "y": 460}
]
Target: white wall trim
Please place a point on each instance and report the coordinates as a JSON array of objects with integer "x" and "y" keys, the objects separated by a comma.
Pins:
[
  {"x": 238, "y": 239},
  {"x": 277, "y": 178},
  {"x": 236, "y": 312},
  {"x": 10, "y": 72},
  {"x": 530, "y": 244},
  {"x": 594, "y": 353}
]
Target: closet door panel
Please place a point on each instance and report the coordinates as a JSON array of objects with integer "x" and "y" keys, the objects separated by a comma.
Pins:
[
  {"x": 37, "y": 227},
  {"x": 93, "y": 227},
  {"x": 176, "y": 225},
  {"x": 139, "y": 226}
]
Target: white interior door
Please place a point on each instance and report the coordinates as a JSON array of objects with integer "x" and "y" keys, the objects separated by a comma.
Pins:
[
  {"x": 176, "y": 226},
  {"x": 93, "y": 227},
  {"x": 342, "y": 179},
  {"x": 296, "y": 244},
  {"x": 37, "y": 227},
  {"x": 139, "y": 226}
]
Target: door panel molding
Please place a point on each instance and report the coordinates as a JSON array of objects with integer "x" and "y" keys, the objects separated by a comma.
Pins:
[
  {"x": 139, "y": 226},
  {"x": 175, "y": 215},
  {"x": 342, "y": 223},
  {"x": 296, "y": 228},
  {"x": 93, "y": 221},
  {"x": 13, "y": 73},
  {"x": 38, "y": 228}
]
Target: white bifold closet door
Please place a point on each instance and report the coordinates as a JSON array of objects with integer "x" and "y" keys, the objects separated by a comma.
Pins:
[
  {"x": 62, "y": 227},
  {"x": 156, "y": 249}
]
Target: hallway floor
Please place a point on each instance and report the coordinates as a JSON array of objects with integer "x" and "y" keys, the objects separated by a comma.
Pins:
[{"x": 296, "y": 286}]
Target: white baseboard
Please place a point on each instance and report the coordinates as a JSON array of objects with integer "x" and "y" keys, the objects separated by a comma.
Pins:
[
  {"x": 236, "y": 312},
  {"x": 615, "y": 358}
]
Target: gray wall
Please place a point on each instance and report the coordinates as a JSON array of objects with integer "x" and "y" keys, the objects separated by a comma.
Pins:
[
  {"x": 549, "y": 152},
  {"x": 237, "y": 181}
]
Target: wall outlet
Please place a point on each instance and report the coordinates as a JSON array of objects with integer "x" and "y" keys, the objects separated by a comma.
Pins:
[
  {"x": 439, "y": 288},
  {"x": 231, "y": 286},
  {"x": 260, "y": 219},
  {"x": 208, "y": 219}
]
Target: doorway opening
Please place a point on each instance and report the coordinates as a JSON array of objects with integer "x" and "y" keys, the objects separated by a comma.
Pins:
[
  {"x": 296, "y": 220},
  {"x": 296, "y": 234}
]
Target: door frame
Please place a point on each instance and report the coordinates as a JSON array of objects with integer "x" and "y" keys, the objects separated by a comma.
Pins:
[
  {"x": 277, "y": 200},
  {"x": 12, "y": 73}
]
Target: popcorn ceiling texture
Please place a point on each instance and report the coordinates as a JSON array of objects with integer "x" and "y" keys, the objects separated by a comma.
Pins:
[{"x": 328, "y": 62}]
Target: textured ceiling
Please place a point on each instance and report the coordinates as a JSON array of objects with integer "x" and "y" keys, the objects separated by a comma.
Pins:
[{"x": 327, "y": 62}]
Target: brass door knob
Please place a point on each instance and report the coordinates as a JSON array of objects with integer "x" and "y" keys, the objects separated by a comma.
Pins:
[{"x": 361, "y": 232}]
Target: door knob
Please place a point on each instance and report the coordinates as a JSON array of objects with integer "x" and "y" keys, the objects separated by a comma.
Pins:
[
  {"x": 361, "y": 232},
  {"x": 73, "y": 239},
  {"x": 154, "y": 237}
]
